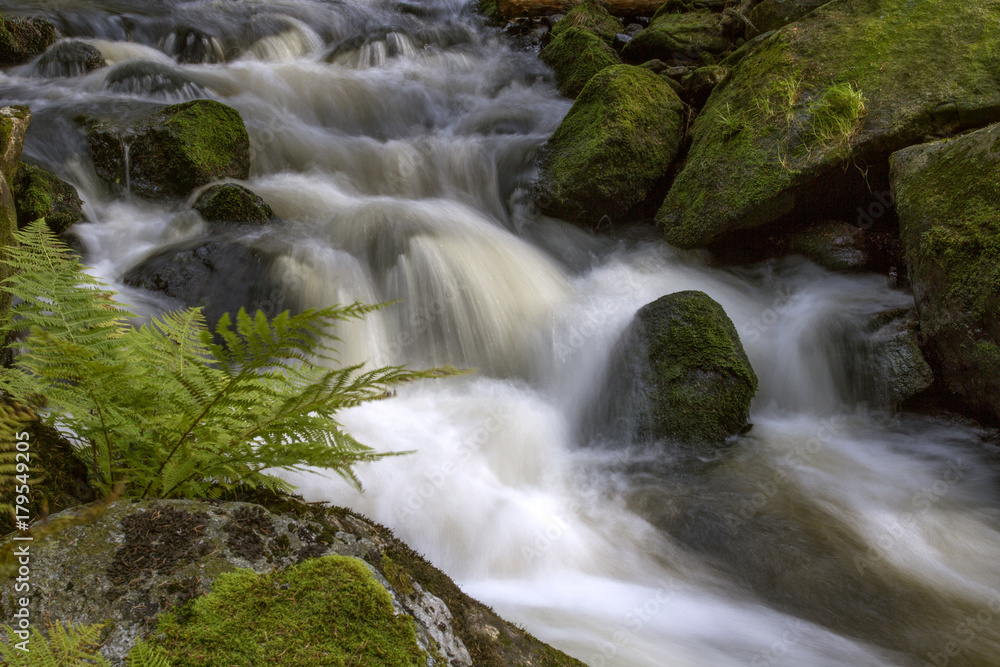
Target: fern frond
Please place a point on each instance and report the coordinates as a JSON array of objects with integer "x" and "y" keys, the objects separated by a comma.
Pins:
[
  {"x": 67, "y": 645},
  {"x": 146, "y": 655}
]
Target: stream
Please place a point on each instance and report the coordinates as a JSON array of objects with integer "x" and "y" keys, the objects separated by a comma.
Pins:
[{"x": 396, "y": 142}]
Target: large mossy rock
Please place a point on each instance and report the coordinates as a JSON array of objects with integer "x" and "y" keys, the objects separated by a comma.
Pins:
[
  {"x": 678, "y": 38},
  {"x": 41, "y": 194},
  {"x": 773, "y": 14},
  {"x": 847, "y": 84},
  {"x": 590, "y": 15},
  {"x": 242, "y": 582},
  {"x": 576, "y": 55},
  {"x": 173, "y": 151},
  {"x": 231, "y": 202},
  {"x": 21, "y": 39},
  {"x": 615, "y": 144},
  {"x": 948, "y": 200},
  {"x": 686, "y": 364}
]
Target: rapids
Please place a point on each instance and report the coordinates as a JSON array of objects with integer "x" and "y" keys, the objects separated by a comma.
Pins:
[{"x": 396, "y": 142}]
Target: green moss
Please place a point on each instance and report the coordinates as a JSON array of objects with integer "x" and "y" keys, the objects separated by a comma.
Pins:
[
  {"x": 576, "y": 55},
  {"x": 948, "y": 201},
  {"x": 325, "y": 611},
  {"x": 701, "y": 381},
  {"x": 21, "y": 39},
  {"x": 172, "y": 151},
  {"x": 397, "y": 576},
  {"x": 231, "y": 202},
  {"x": 920, "y": 68},
  {"x": 688, "y": 37},
  {"x": 41, "y": 194},
  {"x": 614, "y": 145},
  {"x": 590, "y": 15}
]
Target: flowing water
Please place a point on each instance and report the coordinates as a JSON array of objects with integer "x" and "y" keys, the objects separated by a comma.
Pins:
[{"x": 396, "y": 141}]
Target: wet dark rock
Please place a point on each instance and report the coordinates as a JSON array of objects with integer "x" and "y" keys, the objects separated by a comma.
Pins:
[
  {"x": 230, "y": 202},
  {"x": 69, "y": 57},
  {"x": 191, "y": 45},
  {"x": 221, "y": 275},
  {"x": 21, "y": 39},
  {"x": 894, "y": 368},
  {"x": 144, "y": 77}
]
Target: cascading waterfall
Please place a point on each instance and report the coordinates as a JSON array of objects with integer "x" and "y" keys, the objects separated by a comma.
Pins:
[{"x": 395, "y": 141}]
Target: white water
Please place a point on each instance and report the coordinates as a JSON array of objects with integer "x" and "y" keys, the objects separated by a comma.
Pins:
[{"x": 400, "y": 170}]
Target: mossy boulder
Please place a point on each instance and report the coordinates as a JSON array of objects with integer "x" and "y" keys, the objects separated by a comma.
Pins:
[
  {"x": 231, "y": 202},
  {"x": 577, "y": 55},
  {"x": 699, "y": 84},
  {"x": 21, "y": 39},
  {"x": 70, "y": 57},
  {"x": 172, "y": 151},
  {"x": 679, "y": 38},
  {"x": 214, "y": 579},
  {"x": 590, "y": 15},
  {"x": 948, "y": 200},
  {"x": 847, "y": 84},
  {"x": 615, "y": 144},
  {"x": 41, "y": 194},
  {"x": 689, "y": 375},
  {"x": 773, "y": 14},
  {"x": 328, "y": 610}
]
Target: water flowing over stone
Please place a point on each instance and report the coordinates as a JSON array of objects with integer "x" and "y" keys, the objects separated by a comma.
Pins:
[{"x": 395, "y": 144}]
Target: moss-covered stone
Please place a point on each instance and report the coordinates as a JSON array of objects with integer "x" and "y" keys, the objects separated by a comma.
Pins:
[
  {"x": 21, "y": 39},
  {"x": 847, "y": 84},
  {"x": 577, "y": 55},
  {"x": 695, "y": 376},
  {"x": 167, "y": 555},
  {"x": 948, "y": 200},
  {"x": 773, "y": 14},
  {"x": 41, "y": 194},
  {"x": 231, "y": 202},
  {"x": 679, "y": 38},
  {"x": 615, "y": 144},
  {"x": 837, "y": 245},
  {"x": 70, "y": 57},
  {"x": 172, "y": 151},
  {"x": 590, "y": 15},
  {"x": 699, "y": 84},
  {"x": 325, "y": 611}
]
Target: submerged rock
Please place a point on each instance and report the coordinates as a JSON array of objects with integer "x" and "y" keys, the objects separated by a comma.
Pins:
[
  {"x": 181, "y": 573},
  {"x": 173, "y": 151},
  {"x": 142, "y": 77},
  {"x": 70, "y": 57},
  {"x": 41, "y": 194},
  {"x": 577, "y": 55},
  {"x": 221, "y": 275},
  {"x": 615, "y": 144},
  {"x": 895, "y": 368},
  {"x": 21, "y": 39},
  {"x": 688, "y": 378},
  {"x": 948, "y": 200},
  {"x": 231, "y": 202},
  {"x": 847, "y": 84}
]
